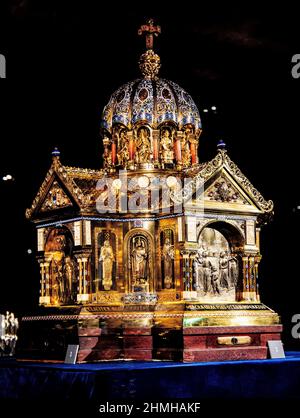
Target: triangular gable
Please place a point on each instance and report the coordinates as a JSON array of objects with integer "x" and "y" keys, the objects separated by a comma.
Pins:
[
  {"x": 57, "y": 191},
  {"x": 223, "y": 189},
  {"x": 56, "y": 198},
  {"x": 238, "y": 189}
]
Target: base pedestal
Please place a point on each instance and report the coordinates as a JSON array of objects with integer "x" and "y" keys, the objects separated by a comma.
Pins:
[
  {"x": 178, "y": 332},
  {"x": 138, "y": 343},
  {"x": 96, "y": 344},
  {"x": 228, "y": 343}
]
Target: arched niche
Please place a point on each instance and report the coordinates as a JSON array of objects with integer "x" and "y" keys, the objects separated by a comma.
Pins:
[
  {"x": 143, "y": 145},
  {"x": 167, "y": 134},
  {"x": 59, "y": 239},
  {"x": 167, "y": 253},
  {"x": 218, "y": 264},
  {"x": 139, "y": 261},
  {"x": 62, "y": 266},
  {"x": 106, "y": 261},
  {"x": 232, "y": 232}
]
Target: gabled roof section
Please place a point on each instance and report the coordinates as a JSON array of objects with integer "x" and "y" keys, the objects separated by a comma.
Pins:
[
  {"x": 222, "y": 162},
  {"x": 221, "y": 188},
  {"x": 56, "y": 198},
  {"x": 64, "y": 187}
]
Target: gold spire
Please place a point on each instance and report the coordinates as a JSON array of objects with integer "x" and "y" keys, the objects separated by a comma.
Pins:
[{"x": 149, "y": 62}]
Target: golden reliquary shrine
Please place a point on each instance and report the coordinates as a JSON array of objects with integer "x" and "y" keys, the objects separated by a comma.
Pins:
[{"x": 155, "y": 255}]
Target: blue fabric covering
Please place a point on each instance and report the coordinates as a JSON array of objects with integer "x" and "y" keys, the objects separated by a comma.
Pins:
[{"x": 263, "y": 379}]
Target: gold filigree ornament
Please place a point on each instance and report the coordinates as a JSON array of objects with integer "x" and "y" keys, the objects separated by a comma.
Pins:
[{"x": 149, "y": 64}]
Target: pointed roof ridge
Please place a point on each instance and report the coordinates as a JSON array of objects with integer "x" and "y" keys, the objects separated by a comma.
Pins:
[
  {"x": 83, "y": 172},
  {"x": 244, "y": 182},
  {"x": 209, "y": 168},
  {"x": 56, "y": 169}
]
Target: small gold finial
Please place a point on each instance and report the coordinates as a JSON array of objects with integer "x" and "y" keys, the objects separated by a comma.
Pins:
[
  {"x": 149, "y": 64},
  {"x": 149, "y": 30}
]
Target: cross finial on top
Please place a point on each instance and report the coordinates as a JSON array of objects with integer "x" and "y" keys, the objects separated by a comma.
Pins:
[{"x": 149, "y": 30}]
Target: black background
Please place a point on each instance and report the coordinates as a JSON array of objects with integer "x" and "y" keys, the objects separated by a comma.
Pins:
[{"x": 65, "y": 58}]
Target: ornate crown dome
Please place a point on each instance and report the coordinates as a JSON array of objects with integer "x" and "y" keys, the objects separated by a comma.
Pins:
[
  {"x": 150, "y": 121},
  {"x": 152, "y": 102}
]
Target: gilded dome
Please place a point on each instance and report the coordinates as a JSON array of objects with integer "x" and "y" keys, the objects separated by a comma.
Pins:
[
  {"x": 152, "y": 102},
  {"x": 150, "y": 123}
]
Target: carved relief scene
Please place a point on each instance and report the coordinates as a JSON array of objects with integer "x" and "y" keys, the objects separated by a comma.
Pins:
[{"x": 215, "y": 267}]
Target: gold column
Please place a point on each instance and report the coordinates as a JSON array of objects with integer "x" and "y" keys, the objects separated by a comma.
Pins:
[
  {"x": 197, "y": 136},
  {"x": 42, "y": 281},
  {"x": 131, "y": 149},
  {"x": 82, "y": 295},
  {"x": 47, "y": 278},
  {"x": 45, "y": 283},
  {"x": 256, "y": 263},
  {"x": 187, "y": 275},
  {"x": 114, "y": 142},
  {"x": 155, "y": 146},
  {"x": 193, "y": 148},
  {"x": 192, "y": 276},
  {"x": 252, "y": 279},
  {"x": 197, "y": 145},
  {"x": 250, "y": 275},
  {"x": 80, "y": 276},
  {"x": 184, "y": 268},
  {"x": 246, "y": 279},
  {"x": 84, "y": 275},
  {"x": 258, "y": 238},
  {"x": 177, "y": 147}
]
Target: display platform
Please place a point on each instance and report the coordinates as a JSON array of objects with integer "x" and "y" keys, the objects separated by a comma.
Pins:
[
  {"x": 181, "y": 333},
  {"x": 276, "y": 379}
]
